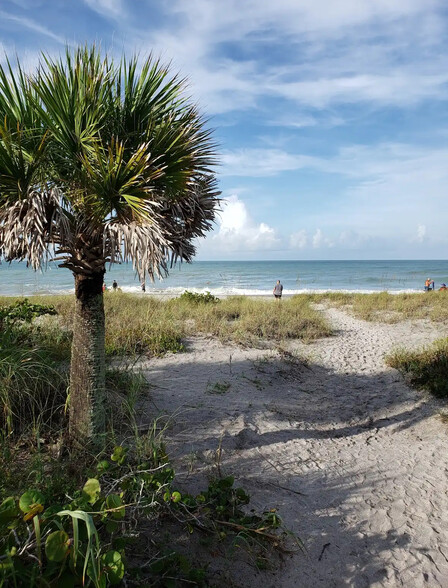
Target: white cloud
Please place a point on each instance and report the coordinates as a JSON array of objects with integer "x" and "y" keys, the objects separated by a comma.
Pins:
[
  {"x": 319, "y": 240},
  {"x": 262, "y": 162},
  {"x": 301, "y": 122},
  {"x": 107, "y": 8},
  {"x": 349, "y": 51},
  {"x": 298, "y": 240},
  {"x": 384, "y": 189},
  {"x": 391, "y": 88},
  {"x": 421, "y": 232},
  {"x": 237, "y": 231},
  {"x": 294, "y": 17},
  {"x": 32, "y": 25}
]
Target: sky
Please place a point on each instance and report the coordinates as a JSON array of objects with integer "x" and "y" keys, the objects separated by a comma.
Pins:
[{"x": 331, "y": 117}]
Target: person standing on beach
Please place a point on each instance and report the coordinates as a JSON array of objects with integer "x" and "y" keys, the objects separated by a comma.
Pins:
[
  {"x": 114, "y": 285},
  {"x": 429, "y": 285},
  {"x": 278, "y": 290}
]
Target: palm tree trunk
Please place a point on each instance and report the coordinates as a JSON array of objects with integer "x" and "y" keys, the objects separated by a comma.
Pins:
[{"x": 88, "y": 371}]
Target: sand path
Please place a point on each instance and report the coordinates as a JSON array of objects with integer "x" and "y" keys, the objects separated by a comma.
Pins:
[{"x": 355, "y": 461}]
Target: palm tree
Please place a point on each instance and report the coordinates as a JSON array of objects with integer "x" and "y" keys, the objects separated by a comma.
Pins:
[{"x": 100, "y": 163}]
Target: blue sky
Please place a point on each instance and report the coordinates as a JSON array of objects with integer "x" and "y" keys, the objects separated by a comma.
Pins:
[{"x": 331, "y": 117}]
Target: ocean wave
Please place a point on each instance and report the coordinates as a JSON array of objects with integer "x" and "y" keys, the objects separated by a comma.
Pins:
[
  {"x": 229, "y": 291},
  {"x": 174, "y": 291}
]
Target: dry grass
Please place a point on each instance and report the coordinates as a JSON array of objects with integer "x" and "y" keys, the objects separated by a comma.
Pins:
[
  {"x": 391, "y": 308},
  {"x": 143, "y": 323},
  {"x": 427, "y": 368}
]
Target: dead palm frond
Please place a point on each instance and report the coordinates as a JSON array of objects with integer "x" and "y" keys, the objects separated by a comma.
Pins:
[{"x": 102, "y": 163}]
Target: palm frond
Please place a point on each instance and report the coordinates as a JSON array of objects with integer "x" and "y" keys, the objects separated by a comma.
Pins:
[
  {"x": 118, "y": 186},
  {"x": 102, "y": 163}
]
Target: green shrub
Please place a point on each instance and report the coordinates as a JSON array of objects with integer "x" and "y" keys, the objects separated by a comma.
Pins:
[
  {"x": 427, "y": 368},
  {"x": 80, "y": 542},
  {"x": 48, "y": 540},
  {"x": 23, "y": 310},
  {"x": 194, "y": 298}
]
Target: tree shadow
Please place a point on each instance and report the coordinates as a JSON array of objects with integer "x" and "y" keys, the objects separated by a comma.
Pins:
[{"x": 320, "y": 446}]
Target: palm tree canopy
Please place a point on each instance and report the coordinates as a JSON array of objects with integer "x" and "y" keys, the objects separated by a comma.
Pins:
[{"x": 102, "y": 162}]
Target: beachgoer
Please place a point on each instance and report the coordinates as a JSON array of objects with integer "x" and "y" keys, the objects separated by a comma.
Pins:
[
  {"x": 114, "y": 285},
  {"x": 104, "y": 287},
  {"x": 428, "y": 284},
  {"x": 442, "y": 288},
  {"x": 278, "y": 290}
]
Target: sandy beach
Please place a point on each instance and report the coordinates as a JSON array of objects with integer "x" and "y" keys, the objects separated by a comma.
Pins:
[{"x": 355, "y": 461}]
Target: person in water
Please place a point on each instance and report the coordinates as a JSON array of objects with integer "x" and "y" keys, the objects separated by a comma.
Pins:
[
  {"x": 278, "y": 290},
  {"x": 429, "y": 285}
]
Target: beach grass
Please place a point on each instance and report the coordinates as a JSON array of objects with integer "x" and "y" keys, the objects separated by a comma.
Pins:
[
  {"x": 32, "y": 387},
  {"x": 391, "y": 308},
  {"x": 426, "y": 368},
  {"x": 137, "y": 324}
]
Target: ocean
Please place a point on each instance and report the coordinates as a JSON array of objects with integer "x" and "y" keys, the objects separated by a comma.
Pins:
[{"x": 242, "y": 277}]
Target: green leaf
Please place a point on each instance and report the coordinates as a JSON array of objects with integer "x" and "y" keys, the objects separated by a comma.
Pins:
[
  {"x": 225, "y": 483},
  {"x": 93, "y": 540},
  {"x": 114, "y": 501},
  {"x": 103, "y": 466},
  {"x": 113, "y": 566},
  {"x": 176, "y": 497},
  {"x": 30, "y": 500},
  {"x": 8, "y": 510},
  {"x": 119, "y": 454},
  {"x": 94, "y": 573},
  {"x": 91, "y": 490},
  {"x": 242, "y": 496},
  {"x": 56, "y": 545},
  {"x": 111, "y": 526}
]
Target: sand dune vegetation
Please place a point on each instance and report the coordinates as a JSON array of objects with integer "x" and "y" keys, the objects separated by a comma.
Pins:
[
  {"x": 392, "y": 308},
  {"x": 203, "y": 392}
]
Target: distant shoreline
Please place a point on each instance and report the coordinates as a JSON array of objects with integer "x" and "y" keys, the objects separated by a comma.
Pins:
[
  {"x": 171, "y": 295},
  {"x": 243, "y": 278}
]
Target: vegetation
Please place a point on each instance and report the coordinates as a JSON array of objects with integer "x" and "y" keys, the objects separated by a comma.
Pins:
[
  {"x": 143, "y": 324},
  {"x": 70, "y": 519},
  {"x": 32, "y": 386},
  {"x": 195, "y": 298},
  {"x": 92, "y": 538},
  {"x": 391, "y": 308},
  {"x": 427, "y": 368},
  {"x": 100, "y": 163}
]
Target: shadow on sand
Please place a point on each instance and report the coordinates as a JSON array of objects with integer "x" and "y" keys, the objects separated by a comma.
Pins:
[{"x": 332, "y": 451}]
